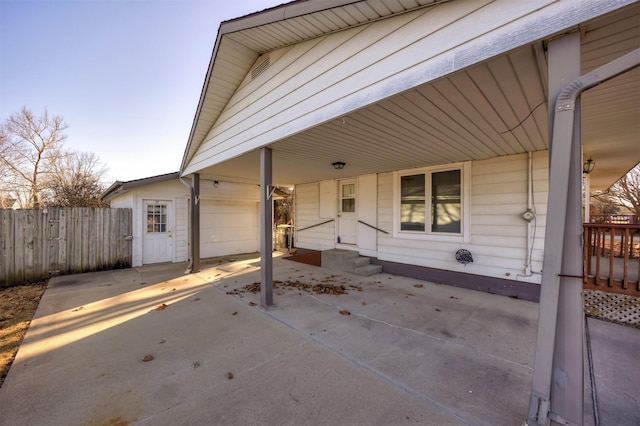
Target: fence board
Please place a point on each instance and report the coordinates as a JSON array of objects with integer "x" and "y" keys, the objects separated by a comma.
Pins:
[{"x": 35, "y": 244}]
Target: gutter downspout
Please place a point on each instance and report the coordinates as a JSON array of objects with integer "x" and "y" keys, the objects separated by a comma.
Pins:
[
  {"x": 559, "y": 174},
  {"x": 190, "y": 265}
]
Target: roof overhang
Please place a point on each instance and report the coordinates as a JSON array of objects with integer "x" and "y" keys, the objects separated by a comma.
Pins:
[
  {"x": 486, "y": 99},
  {"x": 121, "y": 187}
]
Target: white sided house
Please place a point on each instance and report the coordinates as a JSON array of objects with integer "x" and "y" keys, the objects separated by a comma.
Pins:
[
  {"x": 161, "y": 211},
  {"x": 444, "y": 139}
]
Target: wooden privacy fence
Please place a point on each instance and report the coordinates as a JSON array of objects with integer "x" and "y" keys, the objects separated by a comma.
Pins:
[{"x": 35, "y": 244}]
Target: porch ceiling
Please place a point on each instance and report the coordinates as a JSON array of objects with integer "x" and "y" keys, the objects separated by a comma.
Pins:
[{"x": 492, "y": 109}]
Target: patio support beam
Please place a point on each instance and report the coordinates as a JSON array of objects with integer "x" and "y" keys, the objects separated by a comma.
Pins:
[
  {"x": 557, "y": 389},
  {"x": 266, "y": 229},
  {"x": 195, "y": 223}
]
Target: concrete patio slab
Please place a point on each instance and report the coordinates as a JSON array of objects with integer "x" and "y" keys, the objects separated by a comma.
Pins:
[{"x": 393, "y": 350}]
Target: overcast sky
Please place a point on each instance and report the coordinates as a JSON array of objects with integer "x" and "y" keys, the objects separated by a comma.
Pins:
[{"x": 125, "y": 75}]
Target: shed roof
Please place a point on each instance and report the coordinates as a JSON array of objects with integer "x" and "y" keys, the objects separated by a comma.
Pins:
[{"x": 120, "y": 187}]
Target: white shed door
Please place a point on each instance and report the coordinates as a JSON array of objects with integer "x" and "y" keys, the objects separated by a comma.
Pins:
[{"x": 157, "y": 240}]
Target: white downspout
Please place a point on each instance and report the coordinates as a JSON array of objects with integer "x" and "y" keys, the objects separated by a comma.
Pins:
[
  {"x": 527, "y": 268},
  {"x": 190, "y": 264}
]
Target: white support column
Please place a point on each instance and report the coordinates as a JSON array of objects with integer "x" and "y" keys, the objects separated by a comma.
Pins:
[
  {"x": 266, "y": 229},
  {"x": 557, "y": 391},
  {"x": 559, "y": 347},
  {"x": 567, "y": 395}
]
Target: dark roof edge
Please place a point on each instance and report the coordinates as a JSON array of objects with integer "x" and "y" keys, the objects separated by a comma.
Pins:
[{"x": 119, "y": 186}]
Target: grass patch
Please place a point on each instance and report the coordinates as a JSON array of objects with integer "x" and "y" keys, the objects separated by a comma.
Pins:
[{"x": 18, "y": 304}]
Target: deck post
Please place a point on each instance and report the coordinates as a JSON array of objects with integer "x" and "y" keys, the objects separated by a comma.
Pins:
[{"x": 266, "y": 229}]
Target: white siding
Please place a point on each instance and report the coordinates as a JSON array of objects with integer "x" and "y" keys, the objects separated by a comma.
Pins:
[
  {"x": 181, "y": 233},
  {"x": 498, "y": 234},
  {"x": 314, "y": 81},
  {"x": 307, "y": 210},
  {"x": 367, "y": 200}
]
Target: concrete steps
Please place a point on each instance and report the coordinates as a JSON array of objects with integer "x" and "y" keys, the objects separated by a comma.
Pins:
[{"x": 349, "y": 261}]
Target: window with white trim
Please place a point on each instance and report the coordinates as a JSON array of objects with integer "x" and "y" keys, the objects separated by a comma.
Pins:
[
  {"x": 431, "y": 202},
  {"x": 156, "y": 218}
]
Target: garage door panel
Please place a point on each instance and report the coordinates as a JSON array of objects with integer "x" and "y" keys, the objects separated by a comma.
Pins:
[{"x": 228, "y": 228}]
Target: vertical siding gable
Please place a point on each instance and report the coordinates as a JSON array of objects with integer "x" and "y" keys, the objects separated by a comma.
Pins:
[{"x": 307, "y": 210}]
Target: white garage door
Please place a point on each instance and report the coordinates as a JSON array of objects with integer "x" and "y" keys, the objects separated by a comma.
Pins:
[{"x": 228, "y": 227}]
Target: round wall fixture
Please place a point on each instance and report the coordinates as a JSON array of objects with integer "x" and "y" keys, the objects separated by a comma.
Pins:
[
  {"x": 528, "y": 215},
  {"x": 464, "y": 256}
]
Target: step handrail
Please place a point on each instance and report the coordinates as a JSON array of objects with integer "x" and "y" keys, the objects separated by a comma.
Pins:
[
  {"x": 373, "y": 227},
  {"x": 317, "y": 224}
]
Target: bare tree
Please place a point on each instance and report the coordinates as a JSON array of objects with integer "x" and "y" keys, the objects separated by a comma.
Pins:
[
  {"x": 29, "y": 148},
  {"x": 76, "y": 181},
  {"x": 625, "y": 193}
]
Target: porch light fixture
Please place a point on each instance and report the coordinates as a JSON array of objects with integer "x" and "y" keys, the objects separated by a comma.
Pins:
[
  {"x": 338, "y": 165},
  {"x": 588, "y": 166}
]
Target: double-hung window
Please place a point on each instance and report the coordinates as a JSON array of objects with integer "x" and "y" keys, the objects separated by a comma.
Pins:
[{"x": 431, "y": 202}]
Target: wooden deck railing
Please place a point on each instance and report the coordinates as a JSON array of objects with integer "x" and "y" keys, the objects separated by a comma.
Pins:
[{"x": 611, "y": 257}]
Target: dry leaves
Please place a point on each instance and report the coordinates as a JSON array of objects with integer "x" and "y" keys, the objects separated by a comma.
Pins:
[
  {"x": 345, "y": 312},
  {"x": 147, "y": 358},
  {"x": 161, "y": 307},
  {"x": 229, "y": 375}
]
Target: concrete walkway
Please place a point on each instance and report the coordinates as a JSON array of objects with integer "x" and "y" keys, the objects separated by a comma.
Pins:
[{"x": 151, "y": 346}]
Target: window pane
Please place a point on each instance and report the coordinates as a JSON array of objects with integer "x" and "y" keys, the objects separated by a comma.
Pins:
[
  {"x": 412, "y": 203},
  {"x": 348, "y": 198},
  {"x": 349, "y": 190},
  {"x": 157, "y": 218},
  {"x": 446, "y": 206},
  {"x": 348, "y": 205}
]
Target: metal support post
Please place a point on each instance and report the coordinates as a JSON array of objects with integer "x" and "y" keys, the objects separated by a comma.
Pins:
[{"x": 266, "y": 229}]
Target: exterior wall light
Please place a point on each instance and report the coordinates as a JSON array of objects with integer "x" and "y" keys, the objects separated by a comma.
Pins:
[
  {"x": 338, "y": 165},
  {"x": 588, "y": 166}
]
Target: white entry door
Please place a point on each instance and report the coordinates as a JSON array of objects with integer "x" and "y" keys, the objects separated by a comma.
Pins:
[
  {"x": 157, "y": 240},
  {"x": 348, "y": 219}
]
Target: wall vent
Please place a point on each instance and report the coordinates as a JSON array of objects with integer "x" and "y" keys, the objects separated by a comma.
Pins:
[{"x": 260, "y": 68}]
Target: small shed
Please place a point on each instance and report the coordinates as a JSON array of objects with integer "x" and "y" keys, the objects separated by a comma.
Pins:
[{"x": 160, "y": 204}]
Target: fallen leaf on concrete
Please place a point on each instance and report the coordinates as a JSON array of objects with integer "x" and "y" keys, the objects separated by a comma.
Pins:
[
  {"x": 162, "y": 341},
  {"x": 229, "y": 375},
  {"x": 252, "y": 304},
  {"x": 438, "y": 310},
  {"x": 345, "y": 312},
  {"x": 418, "y": 285},
  {"x": 147, "y": 358},
  {"x": 78, "y": 309},
  {"x": 196, "y": 365},
  {"x": 235, "y": 313},
  {"x": 197, "y": 298},
  {"x": 364, "y": 303},
  {"x": 161, "y": 307},
  {"x": 173, "y": 289}
]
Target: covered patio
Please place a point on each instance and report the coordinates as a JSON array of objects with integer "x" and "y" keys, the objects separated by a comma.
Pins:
[{"x": 152, "y": 346}]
